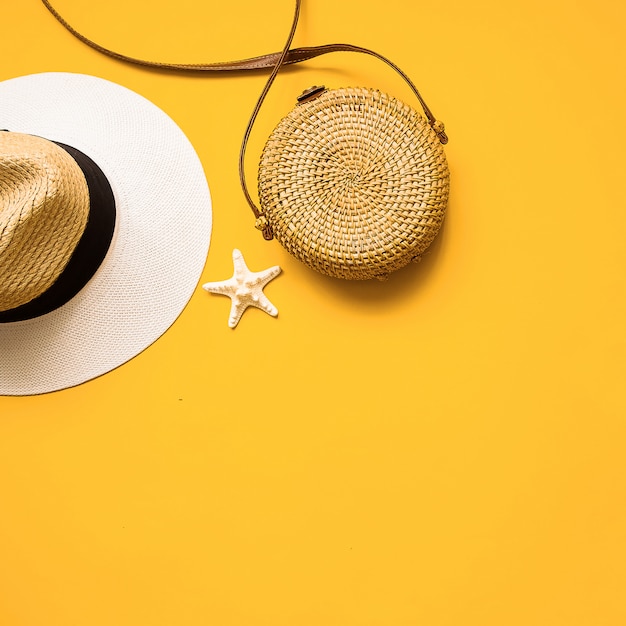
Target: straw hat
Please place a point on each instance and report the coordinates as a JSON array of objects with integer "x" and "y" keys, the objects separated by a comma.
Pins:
[{"x": 105, "y": 223}]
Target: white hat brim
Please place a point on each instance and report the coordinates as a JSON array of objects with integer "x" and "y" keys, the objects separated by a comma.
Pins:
[{"x": 161, "y": 240}]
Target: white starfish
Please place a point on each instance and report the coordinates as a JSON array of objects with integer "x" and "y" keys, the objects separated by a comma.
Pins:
[{"x": 245, "y": 289}]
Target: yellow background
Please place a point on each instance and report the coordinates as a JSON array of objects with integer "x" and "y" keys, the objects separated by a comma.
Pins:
[{"x": 444, "y": 448}]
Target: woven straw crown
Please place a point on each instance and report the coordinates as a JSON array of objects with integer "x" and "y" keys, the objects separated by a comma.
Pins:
[
  {"x": 44, "y": 207},
  {"x": 354, "y": 183}
]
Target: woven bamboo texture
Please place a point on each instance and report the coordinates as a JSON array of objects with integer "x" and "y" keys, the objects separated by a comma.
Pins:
[
  {"x": 44, "y": 207},
  {"x": 354, "y": 183}
]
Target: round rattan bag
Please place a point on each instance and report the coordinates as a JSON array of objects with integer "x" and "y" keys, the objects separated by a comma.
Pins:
[{"x": 354, "y": 183}]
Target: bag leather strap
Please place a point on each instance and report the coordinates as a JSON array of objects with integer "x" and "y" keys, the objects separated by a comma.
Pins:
[{"x": 274, "y": 60}]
